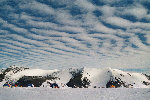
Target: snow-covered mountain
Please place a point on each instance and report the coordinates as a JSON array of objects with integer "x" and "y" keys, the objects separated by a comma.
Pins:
[{"x": 74, "y": 77}]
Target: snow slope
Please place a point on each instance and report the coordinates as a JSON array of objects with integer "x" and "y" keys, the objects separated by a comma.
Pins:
[
  {"x": 100, "y": 77},
  {"x": 92, "y": 77},
  {"x": 74, "y": 94},
  {"x": 136, "y": 79},
  {"x": 30, "y": 72}
]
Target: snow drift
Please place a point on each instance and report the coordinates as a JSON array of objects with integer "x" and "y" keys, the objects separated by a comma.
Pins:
[
  {"x": 74, "y": 94},
  {"x": 75, "y": 78}
]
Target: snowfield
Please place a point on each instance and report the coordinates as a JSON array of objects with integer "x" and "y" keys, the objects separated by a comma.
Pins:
[
  {"x": 94, "y": 83},
  {"x": 74, "y": 94}
]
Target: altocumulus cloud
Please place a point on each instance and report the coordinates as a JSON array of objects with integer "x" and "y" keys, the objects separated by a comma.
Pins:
[{"x": 75, "y": 33}]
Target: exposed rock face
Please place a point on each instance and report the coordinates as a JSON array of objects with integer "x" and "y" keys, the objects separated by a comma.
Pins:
[
  {"x": 1, "y": 77},
  {"x": 148, "y": 76},
  {"x": 6, "y": 73},
  {"x": 78, "y": 80}
]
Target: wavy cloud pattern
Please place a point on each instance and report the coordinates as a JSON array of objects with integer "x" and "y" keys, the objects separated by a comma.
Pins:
[{"x": 75, "y": 33}]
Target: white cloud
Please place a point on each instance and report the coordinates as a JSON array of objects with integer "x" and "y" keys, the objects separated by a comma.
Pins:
[
  {"x": 38, "y": 8},
  {"x": 72, "y": 29},
  {"x": 3, "y": 21},
  {"x": 14, "y": 52},
  {"x": 135, "y": 40},
  {"x": 37, "y": 37},
  {"x": 101, "y": 28},
  {"x": 13, "y": 27},
  {"x": 107, "y": 11},
  {"x": 142, "y": 25},
  {"x": 136, "y": 10},
  {"x": 148, "y": 38},
  {"x": 148, "y": 17},
  {"x": 4, "y": 31},
  {"x": 64, "y": 17},
  {"x": 40, "y": 24},
  {"x": 28, "y": 17},
  {"x": 26, "y": 40},
  {"x": 82, "y": 40},
  {"x": 118, "y": 21},
  {"x": 134, "y": 61},
  {"x": 19, "y": 44},
  {"x": 110, "y": 1},
  {"x": 84, "y": 4},
  {"x": 48, "y": 32},
  {"x": 12, "y": 46}
]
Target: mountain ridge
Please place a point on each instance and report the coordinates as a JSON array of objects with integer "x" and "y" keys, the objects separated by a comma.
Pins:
[{"x": 75, "y": 77}]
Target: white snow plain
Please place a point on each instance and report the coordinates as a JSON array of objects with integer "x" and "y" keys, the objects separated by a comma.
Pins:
[{"x": 74, "y": 94}]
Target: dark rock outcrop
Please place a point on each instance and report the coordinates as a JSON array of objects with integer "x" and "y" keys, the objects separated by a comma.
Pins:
[{"x": 78, "y": 81}]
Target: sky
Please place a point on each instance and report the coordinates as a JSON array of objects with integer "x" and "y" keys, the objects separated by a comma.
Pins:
[{"x": 59, "y": 34}]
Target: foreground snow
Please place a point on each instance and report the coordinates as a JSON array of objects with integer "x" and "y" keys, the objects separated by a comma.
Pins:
[{"x": 74, "y": 94}]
